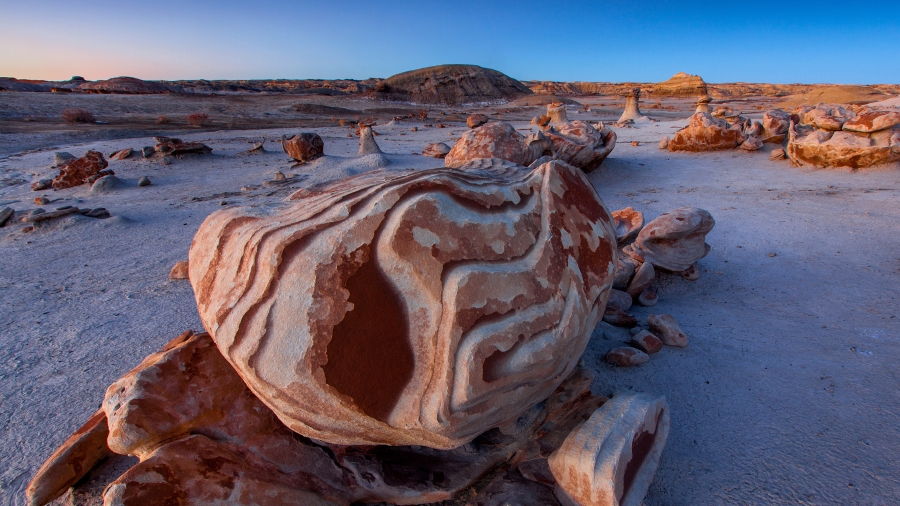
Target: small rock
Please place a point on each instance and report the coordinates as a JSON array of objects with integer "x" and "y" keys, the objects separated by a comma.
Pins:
[
  {"x": 644, "y": 275},
  {"x": 436, "y": 150},
  {"x": 626, "y": 357},
  {"x": 665, "y": 327},
  {"x": 616, "y": 316},
  {"x": 41, "y": 201},
  {"x": 692, "y": 273},
  {"x": 144, "y": 181},
  {"x": 751, "y": 144},
  {"x": 646, "y": 342},
  {"x": 99, "y": 212},
  {"x": 35, "y": 212},
  {"x": 259, "y": 147},
  {"x": 635, "y": 143},
  {"x": 121, "y": 154},
  {"x": 635, "y": 330},
  {"x": 62, "y": 157},
  {"x": 179, "y": 270},
  {"x": 414, "y": 129},
  {"x": 664, "y": 143},
  {"x": 279, "y": 176},
  {"x": 772, "y": 254},
  {"x": 777, "y": 154},
  {"x": 42, "y": 184},
  {"x": 476, "y": 120},
  {"x": 648, "y": 298},
  {"x": 619, "y": 299},
  {"x": 41, "y": 215},
  {"x": 625, "y": 267},
  {"x": 5, "y": 215},
  {"x": 106, "y": 184},
  {"x": 148, "y": 151}
]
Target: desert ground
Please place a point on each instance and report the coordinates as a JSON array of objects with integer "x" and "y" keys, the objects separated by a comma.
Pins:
[{"x": 786, "y": 394}]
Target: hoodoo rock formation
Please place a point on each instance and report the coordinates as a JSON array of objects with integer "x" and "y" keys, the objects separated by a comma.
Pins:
[
  {"x": 470, "y": 333},
  {"x": 632, "y": 110},
  {"x": 674, "y": 240},
  {"x": 450, "y": 84}
]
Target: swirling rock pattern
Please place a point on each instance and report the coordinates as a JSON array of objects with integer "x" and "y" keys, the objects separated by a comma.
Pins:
[
  {"x": 413, "y": 309},
  {"x": 497, "y": 140},
  {"x": 580, "y": 144},
  {"x": 706, "y": 133}
]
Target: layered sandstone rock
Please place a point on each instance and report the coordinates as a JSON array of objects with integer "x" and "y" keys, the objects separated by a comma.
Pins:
[
  {"x": 681, "y": 85},
  {"x": 471, "y": 332},
  {"x": 776, "y": 123},
  {"x": 703, "y": 104},
  {"x": 825, "y": 148},
  {"x": 824, "y": 116},
  {"x": 578, "y": 143},
  {"x": 629, "y": 222},
  {"x": 303, "y": 147},
  {"x": 497, "y": 140},
  {"x": 674, "y": 240},
  {"x": 706, "y": 133},
  {"x": 872, "y": 121},
  {"x": 84, "y": 170},
  {"x": 612, "y": 457},
  {"x": 436, "y": 150},
  {"x": 173, "y": 146}
]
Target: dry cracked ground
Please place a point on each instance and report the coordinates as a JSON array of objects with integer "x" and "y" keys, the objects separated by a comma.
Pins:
[{"x": 787, "y": 393}]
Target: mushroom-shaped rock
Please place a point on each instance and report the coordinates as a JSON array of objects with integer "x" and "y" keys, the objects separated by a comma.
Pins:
[
  {"x": 436, "y": 150},
  {"x": 628, "y": 224},
  {"x": 873, "y": 121},
  {"x": 632, "y": 107},
  {"x": 775, "y": 126},
  {"x": 612, "y": 457},
  {"x": 496, "y": 140},
  {"x": 303, "y": 147},
  {"x": 824, "y": 148},
  {"x": 703, "y": 104},
  {"x": 367, "y": 144},
  {"x": 408, "y": 308},
  {"x": 87, "y": 169},
  {"x": 578, "y": 143},
  {"x": 706, "y": 133},
  {"x": 674, "y": 240},
  {"x": 556, "y": 111}
]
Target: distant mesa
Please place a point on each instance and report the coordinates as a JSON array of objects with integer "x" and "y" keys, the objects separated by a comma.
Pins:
[
  {"x": 450, "y": 84},
  {"x": 126, "y": 85},
  {"x": 681, "y": 85},
  {"x": 838, "y": 94}
]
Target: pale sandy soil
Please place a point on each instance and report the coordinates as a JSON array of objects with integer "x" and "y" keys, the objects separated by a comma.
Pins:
[{"x": 787, "y": 393}]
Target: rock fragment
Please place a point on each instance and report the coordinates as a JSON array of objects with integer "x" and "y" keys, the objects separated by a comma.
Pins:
[
  {"x": 616, "y": 316},
  {"x": 61, "y": 158},
  {"x": 476, "y": 120},
  {"x": 172, "y": 146},
  {"x": 626, "y": 356},
  {"x": 643, "y": 276},
  {"x": 751, "y": 144},
  {"x": 44, "y": 216},
  {"x": 148, "y": 151},
  {"x": 667, "y": 330},
  {"x": 664, "y": 143},
  {"x": 775, "y": 124},
  {"x": 579, "y": 144},
  {"x": 42, "y": 184},
  {"x": 872, "y": 121},
  {"x": 646, "y": 342},
  {"x": 144, "y": 181},
  {"x": 179, "y": 270},
  {"x": 777, "y": 154},
  {"x": 87, "y": 169},
  {"x": 436, "y": 150},
  {"x": 648, "y": 298},
  {"x": 121, "y": 154},
  {"x": 611, "y": 458},
  {"x": 5, "y": 215},
  {"x": 619, "y": 299},
  {"x": 106, "y": 184},
  {"x": 303, "y": 147}
]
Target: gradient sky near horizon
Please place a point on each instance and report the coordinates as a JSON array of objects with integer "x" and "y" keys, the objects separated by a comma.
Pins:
[{"x": 750, "y": 41}]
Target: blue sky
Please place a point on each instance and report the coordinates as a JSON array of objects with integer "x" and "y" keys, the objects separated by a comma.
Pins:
[{"x": 778, "y": 42}]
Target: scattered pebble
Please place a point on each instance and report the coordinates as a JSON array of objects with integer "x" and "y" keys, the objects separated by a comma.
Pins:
[
  {"x": 42, "y": 184},
  {"x": 106, "y": 184},
  {"x": 179, "y": 270},
  {"x": 62, "y": 157},
  {"x": 616, "y": 316},
  {"x": 644, "y": 275},
  {"x": 5, "y": 215},
  {"x": 41, "y": 201},
  {"x": 635, "y": 143},
  {"x": 777, "y": 154},
  {"x": 147, "y": 151},
  {"x": 619, "y": 299},
  {"x": 626, "y": 357},
  {"x": 664, "y": 143},
  {"x": 772, "y": 254},
  {"x": 279, "y": 176},
  {"x": 647, "y": 342},
  {"x": 668, "y": 331},
  {"x": 648, "y": 298},
  {"x": 692, "y": 273},
  {"x": 144, "y": 181}
]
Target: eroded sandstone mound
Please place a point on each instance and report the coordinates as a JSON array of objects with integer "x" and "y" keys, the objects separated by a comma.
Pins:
[
  {"x": 680, "y": 85},
  {"x": 497, "y": 140},
  {"x": 450, "y": 84},
  {"x": 833, "y": 136},
  {"x": 578, "y": 143},
  {"x": 126, "y": 85},
  {"x": 706, "y": 133},
  {"x": 486, "y": 285}
]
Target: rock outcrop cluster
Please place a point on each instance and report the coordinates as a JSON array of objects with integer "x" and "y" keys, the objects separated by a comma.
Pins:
[{"x": 834, "y": 136}]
